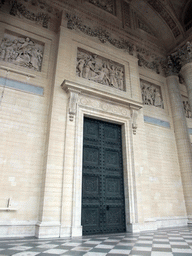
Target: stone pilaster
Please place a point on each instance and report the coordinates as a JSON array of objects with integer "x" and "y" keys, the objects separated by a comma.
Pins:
[
  {"x": 181, "y": 133},
  {"x": 186, "y": 70}
]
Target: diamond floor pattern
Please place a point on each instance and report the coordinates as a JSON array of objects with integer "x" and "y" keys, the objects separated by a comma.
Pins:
[{"x": 164, "y": 242}]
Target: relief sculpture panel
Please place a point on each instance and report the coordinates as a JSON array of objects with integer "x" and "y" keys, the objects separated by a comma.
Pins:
[
  {"x": 101, "y": 70},
  {"x": 151, "y": 94},
  {"x": 21, "y": 51}
]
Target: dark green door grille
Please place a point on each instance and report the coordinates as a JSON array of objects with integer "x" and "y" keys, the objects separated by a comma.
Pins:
[{"x": 103, "y": 209}]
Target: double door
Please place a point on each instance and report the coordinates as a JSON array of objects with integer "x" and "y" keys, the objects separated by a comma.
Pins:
[{"x": 103, "y": 208}]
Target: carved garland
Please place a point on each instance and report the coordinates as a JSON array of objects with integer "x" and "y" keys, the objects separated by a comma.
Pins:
[
  {"x": 104, "y": 36},
  {"x": 40, "y": 17},
  {"x": 101, "y": 34},
  {"x": 153, "y": 65},
  {"x": 106, "y": 5}
]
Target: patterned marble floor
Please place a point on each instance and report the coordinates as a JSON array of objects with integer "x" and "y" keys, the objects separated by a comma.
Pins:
[{"x": 164, "y": 242}]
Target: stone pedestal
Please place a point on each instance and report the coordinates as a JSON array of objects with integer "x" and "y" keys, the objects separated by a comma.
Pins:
[{"x": 182, "y": 140}]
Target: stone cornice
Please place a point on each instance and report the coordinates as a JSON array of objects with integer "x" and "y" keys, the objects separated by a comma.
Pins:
[
  {"x": 74, "y": 90},
  {"x": 82, "y": 89}
]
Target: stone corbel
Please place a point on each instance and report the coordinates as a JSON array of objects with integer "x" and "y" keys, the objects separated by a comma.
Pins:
[
  {"x": 134, "y": 115},
  {"x": 73, "y": 100}
]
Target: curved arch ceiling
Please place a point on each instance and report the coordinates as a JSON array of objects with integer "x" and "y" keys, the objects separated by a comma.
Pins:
[{"x": 166, "y": 18}]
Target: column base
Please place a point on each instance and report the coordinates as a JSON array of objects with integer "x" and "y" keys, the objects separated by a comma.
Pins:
[
  {"x": 156, "y": 223},
  {"x": 76, "y": 231},
  {"x": 65, "y": 231},
  {"x": 47, "y": 229}
]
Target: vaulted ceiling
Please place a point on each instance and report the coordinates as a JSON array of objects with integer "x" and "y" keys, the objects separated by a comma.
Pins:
[{"x": 170, "y": 19}]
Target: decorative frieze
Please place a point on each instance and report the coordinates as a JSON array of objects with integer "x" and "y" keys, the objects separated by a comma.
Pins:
[
  {"x": 18, "y": 9},
  {"x": 104, "y": 36},
  {"x": 104, "y": 102},
  {"x": 153, "y": 65},
  {"x": 21, "y": 51},
  {"x": 37, "y": 11},
  {"x": 145, "y": 58},
  {"x": 151, "y": 94},
  {"x": 106, "y": 5},
  {"x": 99, "y": 69},
  {"x": 104, "y": 106}
]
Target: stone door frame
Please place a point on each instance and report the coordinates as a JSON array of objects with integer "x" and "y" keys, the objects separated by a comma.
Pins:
[{"x": 83, "y": 103}]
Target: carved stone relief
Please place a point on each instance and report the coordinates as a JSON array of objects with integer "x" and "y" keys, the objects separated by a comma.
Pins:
[
  {"x": 145, "y": 57},
  {"x": 104, "y": 36},
  {"x": 186, "y": 107},
  {"x": 104, "y": 106},
  {"x": 37, "y": 11},
  {"x": 107, "y": 5},
  {"x": 101, "y": 70},
  {"x": 174, "y": 62},
  {"x": 153, "y": 64},
  {"x": 151, "y": 94},
  {"x": 21, "y": 51}
]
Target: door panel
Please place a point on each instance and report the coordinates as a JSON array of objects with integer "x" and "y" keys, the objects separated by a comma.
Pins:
[{"x": 102, "y": 186}]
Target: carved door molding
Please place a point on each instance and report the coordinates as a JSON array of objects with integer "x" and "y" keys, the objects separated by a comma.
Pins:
[{"x": 84, "y": 102}]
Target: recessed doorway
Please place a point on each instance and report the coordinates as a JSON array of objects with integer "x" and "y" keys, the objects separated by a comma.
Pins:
[{"x": 103, "y": 203}]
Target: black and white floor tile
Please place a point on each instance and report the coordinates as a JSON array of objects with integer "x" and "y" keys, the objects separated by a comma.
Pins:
[{"x": 164, "y": 242}]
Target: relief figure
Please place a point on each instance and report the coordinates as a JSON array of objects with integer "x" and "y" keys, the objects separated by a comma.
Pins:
[
  {"x": 151, "y": 95},
  {"x": 21, "y": 51},
  {"x": 100, "y": 70}
]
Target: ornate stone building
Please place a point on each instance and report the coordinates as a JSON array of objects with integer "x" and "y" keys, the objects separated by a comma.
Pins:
[{"x": 95, "y": 116}]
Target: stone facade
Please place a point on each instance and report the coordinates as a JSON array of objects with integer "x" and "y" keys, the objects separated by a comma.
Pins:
[{"x": 66, "y": 60}]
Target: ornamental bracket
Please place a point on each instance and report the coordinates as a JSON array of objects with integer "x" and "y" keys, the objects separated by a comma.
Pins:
[
  {"x": 73, "y": 96},
  {"x": 134, "y": 115}
]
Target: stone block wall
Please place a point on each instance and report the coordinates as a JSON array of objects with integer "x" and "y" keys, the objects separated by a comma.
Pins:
[
  {"x": 24, "y": 110},
  {"x": 42, "y": 128}
]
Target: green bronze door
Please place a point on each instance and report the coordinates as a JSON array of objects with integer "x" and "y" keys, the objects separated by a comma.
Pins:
[{"x": 103, "y": 208}]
